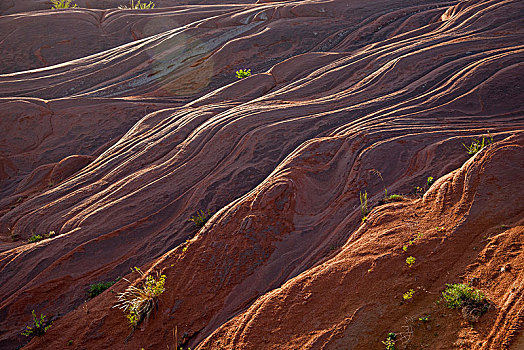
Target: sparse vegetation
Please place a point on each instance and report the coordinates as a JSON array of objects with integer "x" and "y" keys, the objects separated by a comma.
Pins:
[
  {"x": 408, "y": 295},
  {"x": 200, "y": 219},
  {"x": 137, "y": 6},
  {"x": 40, "y": 326},
  {"x": 472, "y": 301},
  {"x": 243, "y": 73},
  {"x": 421, "y": 190},
  {"x": 395, "y": 198},
  {"x": 364, "y": 211},
  {"x": 97, "y": 288},
  {"x": 477, "y": 145},
  {"x": 62, "y": 4},
  {"x": 463, "y": 295},
  {"x": 38, "y": 238},
  {"x": 429, "y": 182},
  {"x": 138, "y": 302},
  {"x": 35, "y": 238},
  {"x": 424, "y": 319},
  {"x": 390, "y": 341},
  {"x": 412, "y": 241},
  {"x": 410, "y": 261}
]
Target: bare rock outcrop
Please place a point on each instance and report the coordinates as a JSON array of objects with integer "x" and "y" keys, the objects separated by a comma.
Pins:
[{"x": 115, "y": 141}]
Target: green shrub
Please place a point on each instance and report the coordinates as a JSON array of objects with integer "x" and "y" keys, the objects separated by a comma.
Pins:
[
  {"x": 419, "y": 191},
  {"x": 395, "y": 198},
  {"x": 61, "y": 4},
  {"x": 138, "y": 302},
  {"x": 38, "y": 238},
  {"x": 243, "y": 73},
  {"x": 477, "y": 145},
  {"x": 472, "y": 301},
  {"x": 40, "y": 326},
  {"x": 201, "y": 218},
  {"x": 424, "y": 319},
  {"x": 35, "y": 238},
  {"x": 408, "y": 295},
  {"x": 390, "y": 341},
  {"x": 364, "y": 211},
  {"x": 459, "y": 294},
  {"x": 410, "y": 261},
  {"x": 138, "y": 6},
  {"x": 97, "y": 288}
]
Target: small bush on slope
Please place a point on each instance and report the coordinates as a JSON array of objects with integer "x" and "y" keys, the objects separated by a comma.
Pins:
[
  {"x": 364, "y": 211},
  {"x": 62, "y": 4},
  {"x": 477, "y": 145},
  {"x": 472, "y": 301},
  {"x": 243, "y": 73},
  {"x": 40, "y": 326},
  {"x": 138, "y": 302},
  {"x": 38, "y": 238},
  {"x": 201, "y": 218},
  {"x": 97, "y": 288}
]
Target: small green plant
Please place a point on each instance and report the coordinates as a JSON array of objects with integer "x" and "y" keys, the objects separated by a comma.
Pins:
[
  {"x": 472, "y": 301},
  {"x": 97, "y": 288},
  {"x": 35, "y": 238},
  {"x": 243, "y": 73},
  {"x": 40, "y": 326},
  {"x": 62, "y": 4},
  {"x": 477, "y": 145},
  {"x": 201, "y": 218},
  {"x": 364, "y": 211},
  {"x": 138, "y": 302},
  {"x": 419, "y": 191},
  {"x": 412, "y": 241},
  {"x": 408, "y": 295},
  {"x": 390, "y": 341},
  {"x": 410, "y": 261},
  {"x": 424, "y": 319},
  {"x": 395, "y": 198},
  {"x": 137, "y": 6},
  {"x": 185, "y": 247},
  {"x": 38, "y": 238},
  {"x": 70, "y": 342}
]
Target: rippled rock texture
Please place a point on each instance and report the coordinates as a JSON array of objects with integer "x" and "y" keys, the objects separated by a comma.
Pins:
[{"x": 118, "y": 125}]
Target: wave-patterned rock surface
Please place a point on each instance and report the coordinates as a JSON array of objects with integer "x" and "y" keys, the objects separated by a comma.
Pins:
[{"x": 117, "y": 130}]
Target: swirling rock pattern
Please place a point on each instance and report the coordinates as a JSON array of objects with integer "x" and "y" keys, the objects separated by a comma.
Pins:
[{"x": 118, "y": 129}]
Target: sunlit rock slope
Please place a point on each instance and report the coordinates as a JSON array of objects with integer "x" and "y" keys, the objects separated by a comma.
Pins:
[{"x": 118, "y": 125}]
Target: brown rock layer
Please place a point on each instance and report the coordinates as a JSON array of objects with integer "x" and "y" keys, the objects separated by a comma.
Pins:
[{"x": 114, "y": 142}]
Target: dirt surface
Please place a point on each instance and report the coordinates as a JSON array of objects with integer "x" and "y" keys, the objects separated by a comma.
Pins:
[{"x": 118, "y": 125}]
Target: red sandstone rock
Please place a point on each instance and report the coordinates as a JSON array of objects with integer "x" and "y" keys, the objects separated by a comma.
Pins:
[{"x": 114, "y": 141}]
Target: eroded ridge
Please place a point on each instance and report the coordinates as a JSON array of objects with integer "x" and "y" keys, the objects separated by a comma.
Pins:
[{"x": 115, "y": 149}]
